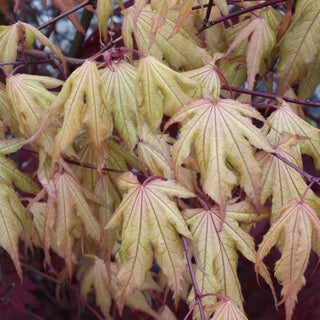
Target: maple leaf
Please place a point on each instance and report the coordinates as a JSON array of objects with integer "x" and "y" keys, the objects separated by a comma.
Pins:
[
  {"x": 66, "y": 212},
  {"x": 119, "y": 88},
  {"x": 153, "y": 151},
  {"x": 284, "y": 119},
  {"x": 300, "y": 45},
  {"x": 104, "y": 11},
  {"x": 219, "y": 132},
  {"x": 29, "y": 98},
  {"x": 13, "y": 222},
  {"x": 31, "y": 32},
  {"x": 84, "y": 105},
  {"x": 262, "y": 39},
  {"x": 207, "y": 76},
  {"x": 96, "y": 275},
  {"x": 296, "y": 222},
  {"x": 288, "y": 184},
  {"x": 149, "y": 218},
  {"x": 218, "y": 252},
  {"x": 9, "y": 38},
  {"x": 173, "y": 50},
  {"x": 162, "y": 90},
  {"x": 226, "y": 310},
  {"x": 310, "y": 79}
]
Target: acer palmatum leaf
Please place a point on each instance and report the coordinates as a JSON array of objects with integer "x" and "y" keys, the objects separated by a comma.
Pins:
[
  {"x": 300, "y": 45},
  {"x": 297, "y": 222},
  {"x": 284, "y": 119},
  {"x": 217, "y": 247},
  {"x": 149, "y": 217},
  {"x": 9, "y": 37},
  {"x": 219, "y": 132},
  {"x": 172, "y": 50},
  {"x": 96, "y": 275},
  {"x": 280, "y": 180},
  {"x": 14, "y": 220},
  {"x": 69, "y": 213},
  {"x": 83, "y": 102},
  {"x": 262, "y": 40},
  {"x": 226, "y": 310},
  {"x": 119, "y": 88},
  {"x": 29, "y": 98},
  {"x": 161, "y": 90}
]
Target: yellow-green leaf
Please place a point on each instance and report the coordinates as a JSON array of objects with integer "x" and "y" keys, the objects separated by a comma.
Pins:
[
  {"x": 221, "y": 134},
  {"x": 297, "y": 222},
  {"x": 217, "y": 247},
  {"x": 262, "y": 39},
  {"x": 119, "y": 88},
  {"x": 300, "y": 45},
  {"x": 29, "y": 98},
  {"x": 162, "y": 90},
  {"x": 45, "y": 41},
  {"x": 280, "y": 180},
  {"x": 172, "y": 50},
  {"x": 149, "y": 217},
  {"x": 284, "y": 119},
  {"x": 9, "y": 37},
  {"x": 13, "y": 221},
  {"x": 226, "y": 310},
  {"x": 82, "y": 99}
]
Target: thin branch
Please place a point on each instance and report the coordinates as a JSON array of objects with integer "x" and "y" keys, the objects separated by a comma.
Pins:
[
  {"x": 238, "y": 13},
  {"x": 74, "y": 9},
  {"x": 69, "y": 60},
  {"x": 308, "y": 176},
  {"x": 197, "y": 293},
  {"x": 272, "y": 96},
  {"x": 88, "y": 165}
]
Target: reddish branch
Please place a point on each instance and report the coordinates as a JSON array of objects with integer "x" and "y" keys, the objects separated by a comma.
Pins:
[
  {"x": 208, "y": 24},
  {"x": 271, "y": 96},
  {"x": 74, "y": 9}
]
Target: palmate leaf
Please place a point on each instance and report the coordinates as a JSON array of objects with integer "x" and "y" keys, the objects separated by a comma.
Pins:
[
  {"x": 300, "y": 45},
  {"x": 97, "y": 276},
  {"x": 296, "y": 222},
  {"x": 284, "y": 119},
  {"x": 262, "y": 40},
  {"x": 29, "y": 98},
  {"x": 104, "y": 11},
  {"x": 13, "y": 221},
  {"x": 162, "y": 90},
  {"x": 67, "y": 211},
  {"x": 82, "y": 99},
  {"x": 149, "y": 217},
  {"x": 119, "y": 88},
  {"x": 173, "y": 50},
  {"x": 280, "y": 180},
  {"x": 226, "y": 310},
  {"x": 153, "y": 151},
  {"x": 219, "y": 132},
  {"x": 218, "y": 252}
]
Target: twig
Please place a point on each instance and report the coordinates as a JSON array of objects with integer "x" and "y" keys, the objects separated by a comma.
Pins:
[
  {"x": 271, "y": 96},
  {"x": 79, "y": 6},
  {"x": 197, "y": 293},
  {"x": 238, "y": 13}
]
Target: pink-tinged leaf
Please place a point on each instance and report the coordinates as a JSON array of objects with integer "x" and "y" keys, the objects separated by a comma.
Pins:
[
  {"x": 149, "y": 217},
  {"x": 296, "y": 224},
  {"x": 219, "y": 132}
]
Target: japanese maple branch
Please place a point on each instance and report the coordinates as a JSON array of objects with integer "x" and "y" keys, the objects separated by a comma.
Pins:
[
  {"x": 74, "y": 9},
  {"x": 208, "y": 24},
  {"x": 87, "y": 165},
  {"x": 197, "y": 293},
  {"x": 271, "y": 96}
]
